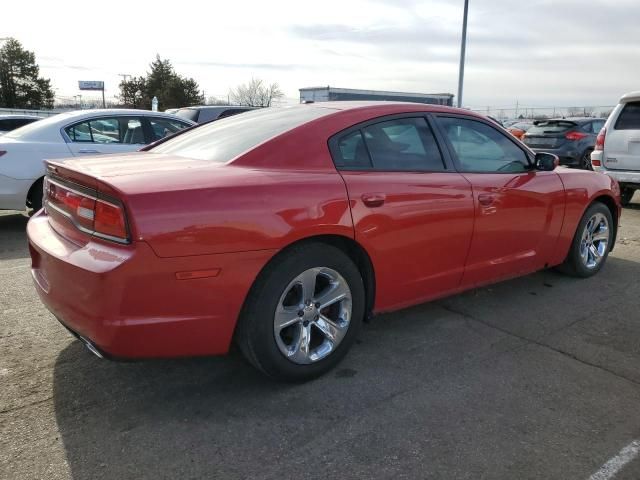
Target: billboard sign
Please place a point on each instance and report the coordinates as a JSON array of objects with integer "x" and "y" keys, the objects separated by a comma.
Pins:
[{"x": 90, "y": 85}]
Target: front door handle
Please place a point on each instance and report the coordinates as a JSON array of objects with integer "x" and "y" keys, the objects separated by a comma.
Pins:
[
  {"x": 486, "y": 199},
  {"x": 90, "y": 152},
  {"x": 373, "y": 200}
]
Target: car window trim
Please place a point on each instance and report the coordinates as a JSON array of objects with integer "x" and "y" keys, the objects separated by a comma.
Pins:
[
  {"x": 456, "y": 161},
  {"x": 334, "y": 144}
]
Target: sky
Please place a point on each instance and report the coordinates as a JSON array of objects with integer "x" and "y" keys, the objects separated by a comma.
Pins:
[{"x": 534, "y": 52}]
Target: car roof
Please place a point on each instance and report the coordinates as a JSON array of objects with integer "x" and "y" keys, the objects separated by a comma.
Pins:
[
  {"x": 630, "y": 97},
  {"x": 217, "y": 107}
]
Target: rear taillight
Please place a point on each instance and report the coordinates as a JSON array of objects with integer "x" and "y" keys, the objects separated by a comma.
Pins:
[
  {"x": 92, "y": 215},
  {"x": 575, "y": 136},
  {"x": 600, "y": 139},
  {"x": 109, "y": 221}
]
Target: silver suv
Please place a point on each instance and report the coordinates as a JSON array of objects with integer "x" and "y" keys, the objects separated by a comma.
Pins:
[{"x": 617, "y": 150}]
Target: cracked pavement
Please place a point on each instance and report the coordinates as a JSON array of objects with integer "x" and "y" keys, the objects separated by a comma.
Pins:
[{"x": 534, "y": 378}]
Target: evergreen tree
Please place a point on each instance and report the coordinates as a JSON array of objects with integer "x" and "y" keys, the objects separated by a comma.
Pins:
[
  {"x": 20, "y": 83},
  {"x": 163, "y": 82}
]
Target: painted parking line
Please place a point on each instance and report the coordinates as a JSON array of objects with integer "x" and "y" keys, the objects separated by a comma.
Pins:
[{"x": 614, "y": 465}]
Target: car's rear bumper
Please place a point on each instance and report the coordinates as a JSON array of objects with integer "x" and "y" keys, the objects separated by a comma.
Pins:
[
  {"x": 624, "y": 177},
  {"x": 129, "y": 303}
]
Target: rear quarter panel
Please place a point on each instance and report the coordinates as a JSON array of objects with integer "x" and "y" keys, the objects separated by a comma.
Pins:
[
  {"x": 242, "y": 210},
  {"x": 582, "y": 188}
]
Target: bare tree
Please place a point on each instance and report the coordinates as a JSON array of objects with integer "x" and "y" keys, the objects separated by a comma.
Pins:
[
  {"x": 574, "y": 112},
  {"x": 256, "y": 94}
]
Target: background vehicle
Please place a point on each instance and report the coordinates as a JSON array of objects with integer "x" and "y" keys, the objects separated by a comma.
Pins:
[
  {"x": 11, "y": 122},
  {"x": 518, "y": 129},
  {"x": 617, "y": 150},
  {"x": 205, "y": 114},
  {"x": 284, "y": 227},
  {"x": 571, "y": 139},
  {"x": 79, "y": 133}
]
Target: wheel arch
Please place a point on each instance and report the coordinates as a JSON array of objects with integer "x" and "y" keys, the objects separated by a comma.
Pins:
[
  {"x": 611, "y": 204},
  {"x": 350, "y": 247},
  {"x": 35, "y": 186}
]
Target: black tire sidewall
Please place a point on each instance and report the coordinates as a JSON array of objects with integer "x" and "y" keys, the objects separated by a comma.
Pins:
[
  {"x": 257, "y": 328},
  {"x": 574, "y": 255}
]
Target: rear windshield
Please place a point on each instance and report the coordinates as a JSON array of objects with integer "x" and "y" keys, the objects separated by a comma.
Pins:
[
  {"x": 188, "y": 113},
  {"x": 225, "y": 139},
  {"x": 629, "y": 118},
  {"x": 551, "y": 126}
]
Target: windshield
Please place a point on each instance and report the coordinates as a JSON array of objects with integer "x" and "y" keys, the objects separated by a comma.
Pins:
[
  {"x": 551, "y": 126},
  {"x": 225, "y": 139}
]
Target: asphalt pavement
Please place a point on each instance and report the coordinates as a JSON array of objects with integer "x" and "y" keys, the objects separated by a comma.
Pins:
[{"x": 534, "y": 378}]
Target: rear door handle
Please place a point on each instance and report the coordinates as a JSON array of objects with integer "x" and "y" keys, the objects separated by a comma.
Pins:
[
  {"x": 373, "y": 200},
  {"x": 485, "y": 199}
]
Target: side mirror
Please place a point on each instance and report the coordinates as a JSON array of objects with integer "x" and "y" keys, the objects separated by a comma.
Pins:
[{"x": 546, "y": 162}]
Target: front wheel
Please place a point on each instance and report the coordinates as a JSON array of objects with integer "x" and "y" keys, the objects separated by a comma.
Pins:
[
  {"x": 591, "y": 243},
  {"x": 303, "y": 313}
]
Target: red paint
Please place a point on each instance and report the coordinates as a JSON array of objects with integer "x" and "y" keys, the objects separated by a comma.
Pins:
[{"x": 201, "y": 232}]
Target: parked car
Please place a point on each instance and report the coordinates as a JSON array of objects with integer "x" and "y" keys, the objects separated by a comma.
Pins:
[
  {"x": 79, "y": 133},
  {"x": 617, "y": 149},
  {"x": 11, "y": 122},
  {"x": 571, "y": 139},
  {"x": 519, "y": 129},
  {"x": 284, "y": 228},
  {"x": 203, "y": 114}
]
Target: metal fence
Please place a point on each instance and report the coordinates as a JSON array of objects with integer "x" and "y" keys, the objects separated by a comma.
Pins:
[
  {"x": 537, "y": 113},
  {"x": 22, "y": 111}
]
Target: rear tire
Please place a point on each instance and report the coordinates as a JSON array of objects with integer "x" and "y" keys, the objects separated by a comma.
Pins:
[
  {"x": 590, "y": 246},
  {"x": 316, "y": 334},
  {"x": 585, "y": 161},
  {"x": 626, "y": 195},
  {"x": 34, "y": 200}
]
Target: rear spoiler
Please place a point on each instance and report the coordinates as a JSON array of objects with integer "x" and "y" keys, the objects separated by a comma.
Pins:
[{"x": 567, "y": 122}]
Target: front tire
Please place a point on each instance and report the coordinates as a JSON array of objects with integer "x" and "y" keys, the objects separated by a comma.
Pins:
[
  {"x": 626, "y": 195},
  {"x": 591, "y": 243},
  {"x": 303, "y": 313}
]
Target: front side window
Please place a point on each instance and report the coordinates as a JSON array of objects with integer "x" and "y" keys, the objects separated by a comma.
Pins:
[
  {"x": 164, "y": 127},
  {"x": 629, "y": 118},
  {"x": 481, "y": 148},
  {"x": 123, "y": 130}
]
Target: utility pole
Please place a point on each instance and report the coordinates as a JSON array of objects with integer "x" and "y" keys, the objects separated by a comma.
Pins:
[
  {"x": 463, "y": 47},
  {"x": 124, "y": 76}
]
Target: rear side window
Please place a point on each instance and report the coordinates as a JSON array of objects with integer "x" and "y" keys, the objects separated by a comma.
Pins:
[
  {"x": 225, "y": 139},
  {"x": 126, "y": 130},
  {"x": 404, "y": 144},
  {"x": 164, "y": 127},
  {"x": 629, "y": 118}
]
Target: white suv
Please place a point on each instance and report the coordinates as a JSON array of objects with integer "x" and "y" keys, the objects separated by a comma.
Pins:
[{"x": 617, "y": 150}]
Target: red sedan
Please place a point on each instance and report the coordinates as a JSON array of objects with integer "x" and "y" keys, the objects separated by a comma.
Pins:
[{"x": 284, "y": 228}]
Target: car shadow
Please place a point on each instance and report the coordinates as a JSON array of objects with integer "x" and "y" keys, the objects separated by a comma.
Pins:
[
  {"x": 13, "y": 236},
  {"x": 187, "y": 417}
]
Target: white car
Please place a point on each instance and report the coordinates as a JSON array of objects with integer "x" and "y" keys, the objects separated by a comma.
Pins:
[
  {"x": 617, "y": 150},
  {"x": 72, "y": 134}
]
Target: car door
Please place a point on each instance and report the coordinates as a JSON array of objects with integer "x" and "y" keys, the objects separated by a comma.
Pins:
[
  {"x": 518, "y": 210},
  {"x": 411, "y": 210},
  {"x": 106, "y": 134}
]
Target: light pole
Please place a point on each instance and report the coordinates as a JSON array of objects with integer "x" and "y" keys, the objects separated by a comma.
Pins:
[{"x": 463, "y": 47}]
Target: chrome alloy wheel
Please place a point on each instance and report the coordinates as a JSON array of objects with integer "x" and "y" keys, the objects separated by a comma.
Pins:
[
  {"x": 594, "y": 241},
  {"x": 313, "y": 315}
]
